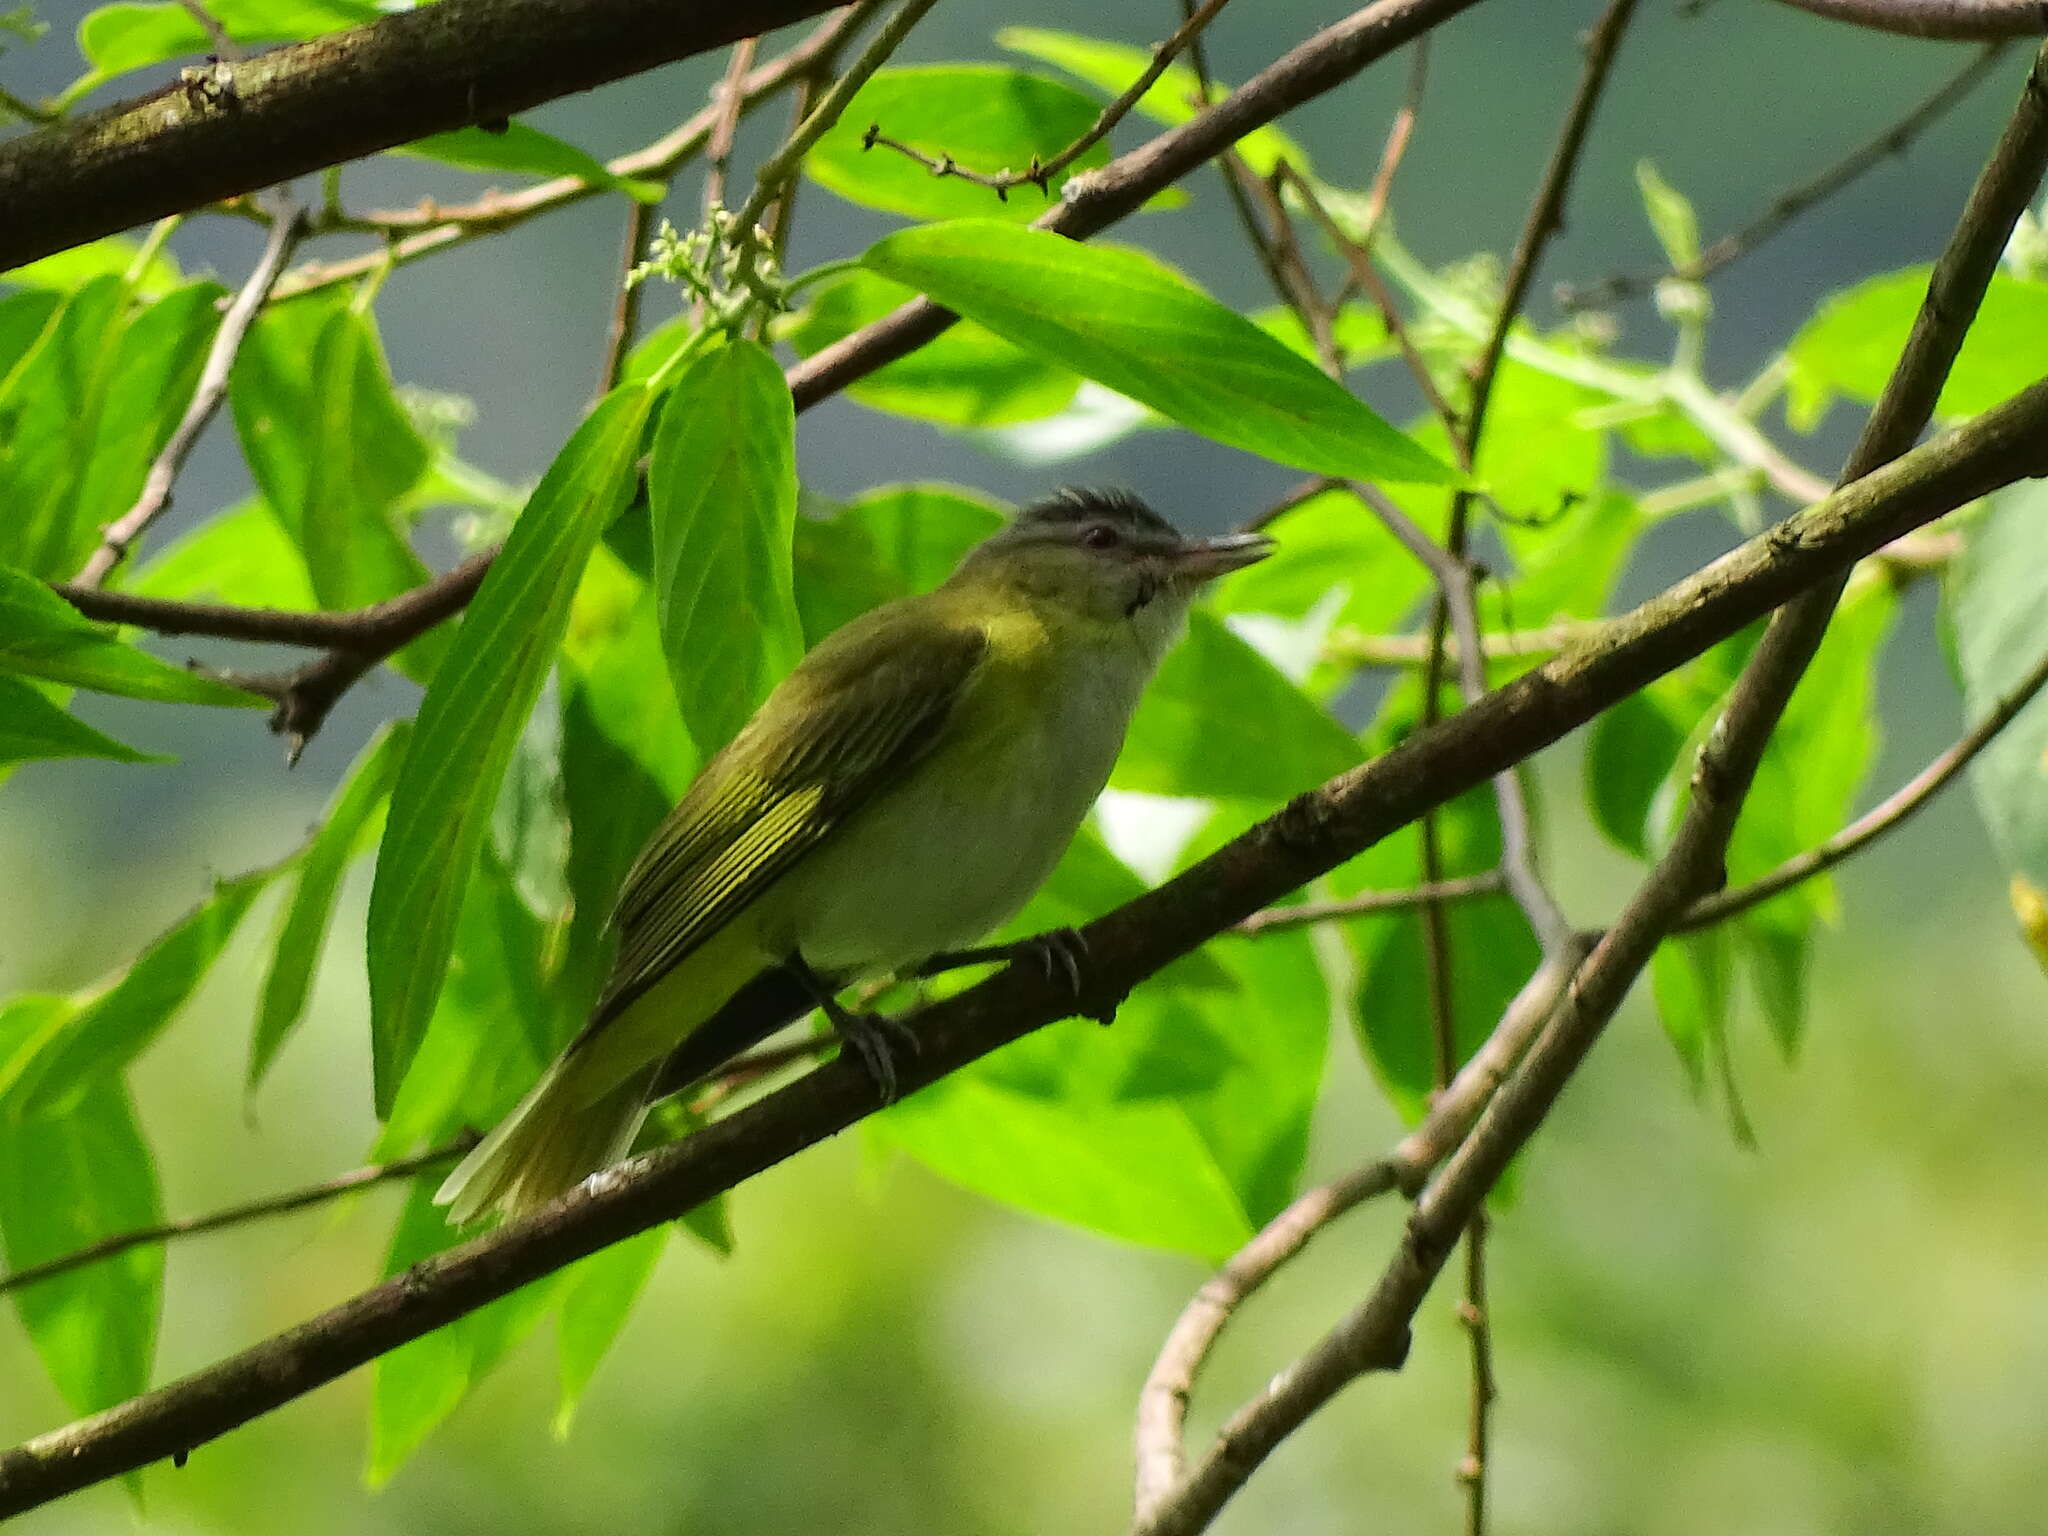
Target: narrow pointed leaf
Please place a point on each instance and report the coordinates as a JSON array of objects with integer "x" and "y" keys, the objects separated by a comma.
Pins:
[
  {"x": 43, "y": 636},
  {"x": 1127, "y": 321},
  {"x": 33, "y": 725},
  {"x": 471, "y": 718}
]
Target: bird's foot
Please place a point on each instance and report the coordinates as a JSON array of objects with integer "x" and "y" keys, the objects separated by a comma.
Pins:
[
  {"x": 878, "y": 1040},
  {"x": 1059, "y": 953}
]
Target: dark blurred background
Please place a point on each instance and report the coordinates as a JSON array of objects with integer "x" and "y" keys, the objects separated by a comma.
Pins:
[{"x": 1843, "y": 1330}]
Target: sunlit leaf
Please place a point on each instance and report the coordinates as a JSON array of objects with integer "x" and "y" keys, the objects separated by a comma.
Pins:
[
  {"x": 43, "y": 636},
  {"x": 69, "y": 1180},
  {"x": 1129, "y": 322},
  {"x": 965, "y": 377},
  {"x": 135, "y": 34},
  {"x": 111, "y": 256},
  {"x": 353, "y": 821},
  {"x": 597, "y": 1295},
  {"x": 33, "y": 725},
  {"x": 471, "y": 717},
  {"x": 1852, "y": 342},
  {"x": 985, "y": 117},
  {"x": 722, "y": 486},
  {"x": 241, "y": 556}
]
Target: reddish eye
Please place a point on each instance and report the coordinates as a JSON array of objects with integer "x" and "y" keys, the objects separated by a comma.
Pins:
[{"x": 1101, "y": 536}]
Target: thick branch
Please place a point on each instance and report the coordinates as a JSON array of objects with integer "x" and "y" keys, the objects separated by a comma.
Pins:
[
  {"x": 1311, "y": 836},
  {"x": 314, "y": 104}
]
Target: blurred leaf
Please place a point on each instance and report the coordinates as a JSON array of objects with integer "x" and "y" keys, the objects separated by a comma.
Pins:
[
  {"x": 1129, "y": 322},
  {"x": 242, "y": 556},
  {"x": 921, "y": 532},
  {"x": 354, "y": 820},
  {"x": 131, "y": 35},
  {"x": 470, "y": 719},
  {"x": 986, "y": 117},
  {"x": 1330, "y": 543},
  {"x": 49, "y": 413},
  {"x": 1671, "y": 216},
  {"x": 103, "y": 1036},
  {"x": 1565, "y": 568},
  {"x": 1171, "y": 99},
  {"x": 611, "y": 652},
  {"x": 597, "y": 1295},
  {"x": 1854, "y": 338},
  {"x": 33, "y": 725},
  {"x": 1689, "y": 978},
  {"x": 23, "y": 319},
  {"x": 43, "y": 636},
  {"x": 965, "y": 377},
  {"x": 112, "y": 256},
  {"x": 1631, "y": 753},
  {"x": 839, "y": 575},
  {"x": 525, "y": 151},
  {"x": 722, "y": 485},
  {"x": 417, "y": 1385},
  {"x": 1221, "y": 720},
  {"x": 1360, "y": 334},
  {"x": 69, "y": 1180},
  {"x": 1997, "y": 630}
]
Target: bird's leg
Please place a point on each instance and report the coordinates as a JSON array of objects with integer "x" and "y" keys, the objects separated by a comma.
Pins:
[
  {"x": 874, "y": 1037},
  {"x": 1059, "y": 953}
]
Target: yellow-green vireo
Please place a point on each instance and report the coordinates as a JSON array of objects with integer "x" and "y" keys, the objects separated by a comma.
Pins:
[{"x": 901, "y": 793}]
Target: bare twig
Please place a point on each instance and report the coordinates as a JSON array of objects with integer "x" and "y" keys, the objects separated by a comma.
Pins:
[
  {"x": 1040, "y": 173},
  {"x": 1313, "y": 835},
  {"x": 223, "y": 45},
  {"x": 238, "y": 1215},
  {"x": 437, "y": 228},
  {"x": 119, "y": 535},
  {"x": 1399, "y": 134},
  {"x": 1791, "y": 203},
  {"x": 625, "y": 322},
  {"x": 1370, "y": 904},
  {"x": 731, "y": 96},
  {"x": 1955, "y": 20},
  {"x": 1881, "y": 818}
]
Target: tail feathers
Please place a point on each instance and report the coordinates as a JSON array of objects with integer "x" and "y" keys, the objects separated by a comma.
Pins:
[{"x": 547, "y": 1145}]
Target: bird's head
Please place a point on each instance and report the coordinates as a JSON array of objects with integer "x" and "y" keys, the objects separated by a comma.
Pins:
[{"x": 1108, "y": 559}]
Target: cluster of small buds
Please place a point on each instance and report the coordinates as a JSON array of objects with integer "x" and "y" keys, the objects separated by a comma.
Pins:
[{"x": 729, "y": 272}]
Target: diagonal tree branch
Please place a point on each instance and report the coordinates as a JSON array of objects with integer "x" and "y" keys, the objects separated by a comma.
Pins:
[
  {"x": 1311, "y": 836},
  {"x": 318, "y": 103},
  {"x": 1950, "y": 20}
]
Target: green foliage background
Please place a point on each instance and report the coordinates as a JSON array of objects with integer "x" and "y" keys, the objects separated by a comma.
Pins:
[{"x": 1839, "y": 1329}]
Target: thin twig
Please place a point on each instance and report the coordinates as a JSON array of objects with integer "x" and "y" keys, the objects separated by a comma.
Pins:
[
  {"x": 224, "y": 45},
  {"x": 438, "y": 228},
  {"x": 1794, "y": 201},
  {"x": 1399, "y": 135},
  {"x": 1039, "y": 173},
  {"x": 1370, "y": 904},
  {"x": 1951, "y": 20},
  {"x": 625, "y": 322},
  {"x": 731, "y": 96},
  {"x": 1169, "y": 1385},
  {"x": 120, "y": 535},
  {"x": 238, "y": 1215},
  {"x": 1881, "y": 818}
]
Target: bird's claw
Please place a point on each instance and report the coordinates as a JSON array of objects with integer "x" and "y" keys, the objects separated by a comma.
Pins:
[
  {"x": 1060, "y": 953},
  {"x": 878, "y": 1040}
]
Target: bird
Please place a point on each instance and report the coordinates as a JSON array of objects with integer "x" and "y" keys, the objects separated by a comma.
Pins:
[{"x": 900, "y": 794}]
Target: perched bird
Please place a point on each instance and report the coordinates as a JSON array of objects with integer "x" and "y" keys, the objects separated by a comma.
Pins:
[{"x": 900, "y": 794}]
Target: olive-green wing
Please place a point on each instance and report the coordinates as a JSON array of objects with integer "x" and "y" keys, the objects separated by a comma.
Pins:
[{"x": 861, "y": 710}]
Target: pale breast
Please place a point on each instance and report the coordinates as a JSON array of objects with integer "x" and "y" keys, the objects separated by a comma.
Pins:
[{"x": 974, "y": 830}]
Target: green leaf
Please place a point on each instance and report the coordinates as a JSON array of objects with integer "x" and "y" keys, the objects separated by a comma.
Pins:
[
  {"x": 526, "y": 151},
  {"x": 1220, "y": 720},
  {"x": 417, "y": 1385},
  {"x": 921, "y": 532},
  {"x": 132, "y": 35},
  {"x": 105, "y": 1034},
  {"x": 722, "y": 486},
  {"x": 354, "y": 819},
  {"x": 240, "y": 556},
  {"x": 43, "y": 636},
  {"x": 965, "y": 377},
  {"x": 1852, "y": 341},
  {"x": 112, "y": 256},
  {"x": 986, "y": 117},
  {"x": 1630, "y": 756},
  {"x": 1690, "y": 979},
  {"x": 470, "y": 719},
  {"x": 1331, "y": 543},
  {"x": 1127, "y": 321},
  {"x": 1172, "y": 99},
  {"x": 70, "y": 1180},
  {"x": 23, "y": 319},
  {"x": 49, "y": 413},
  {"x": 597, "y": 1295},
  {"x": 32, "y": 725},
  {"x": 1997, "y": 629},
  {"x": 1671, "y": 216}
]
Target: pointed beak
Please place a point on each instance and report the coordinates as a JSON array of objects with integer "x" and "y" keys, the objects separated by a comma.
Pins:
[{"x": 1206, "y": 559}]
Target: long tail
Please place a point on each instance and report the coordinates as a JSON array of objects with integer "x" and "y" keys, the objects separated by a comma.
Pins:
[{"x": 550, "y": 1142}]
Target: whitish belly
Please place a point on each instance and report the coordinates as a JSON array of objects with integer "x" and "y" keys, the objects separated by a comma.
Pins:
[{"x": 954, "y": 853}]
